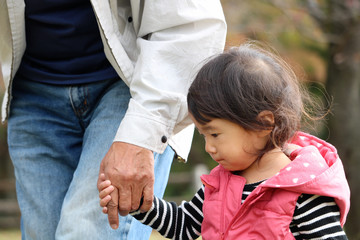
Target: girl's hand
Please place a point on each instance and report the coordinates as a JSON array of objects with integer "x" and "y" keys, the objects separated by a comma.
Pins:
[{"x": 105, "y": 188}]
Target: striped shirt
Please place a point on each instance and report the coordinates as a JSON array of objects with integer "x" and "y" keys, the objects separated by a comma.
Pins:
[{"x": 315, "y": 217}]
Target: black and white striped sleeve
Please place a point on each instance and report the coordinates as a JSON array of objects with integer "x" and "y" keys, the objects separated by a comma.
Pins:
[
  {"x": 316, "y": 217},
  {"x": 172, "y": 221}
]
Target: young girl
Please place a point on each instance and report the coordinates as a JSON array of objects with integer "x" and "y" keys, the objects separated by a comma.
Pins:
[{"x": 248, "y": 105}]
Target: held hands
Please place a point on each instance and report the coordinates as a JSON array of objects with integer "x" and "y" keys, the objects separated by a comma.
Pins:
[
  {"x": 130, "y": 171},
  {"x": 105, "y": 189}
]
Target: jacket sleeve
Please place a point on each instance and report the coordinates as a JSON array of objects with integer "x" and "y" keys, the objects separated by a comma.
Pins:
[
  {"x": 173, "y": 38},
  {"x": 12, "y": 36}
]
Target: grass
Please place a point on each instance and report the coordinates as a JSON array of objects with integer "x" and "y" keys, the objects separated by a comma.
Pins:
[
  {"x": 11, "y": 234},
  {"x": 15, "y": 234}
]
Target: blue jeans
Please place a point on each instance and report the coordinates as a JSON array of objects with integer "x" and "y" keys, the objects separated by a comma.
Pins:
[{"x": 57, "y": 137}]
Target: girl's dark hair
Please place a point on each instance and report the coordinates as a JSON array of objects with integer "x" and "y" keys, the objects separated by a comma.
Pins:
[{"x": 242, "y": 82}]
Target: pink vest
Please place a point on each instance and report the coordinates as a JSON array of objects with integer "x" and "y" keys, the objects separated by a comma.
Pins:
[{"x": 267, "y": 212}]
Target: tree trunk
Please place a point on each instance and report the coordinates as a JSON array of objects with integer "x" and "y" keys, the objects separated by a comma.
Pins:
[{"x": 343, "y": 84}]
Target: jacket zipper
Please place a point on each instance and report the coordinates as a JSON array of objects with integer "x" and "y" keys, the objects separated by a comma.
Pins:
[{"x": 103, "y": 36}]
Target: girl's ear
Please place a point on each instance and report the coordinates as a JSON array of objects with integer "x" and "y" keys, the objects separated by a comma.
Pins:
[{"x": 266, "y": 117}]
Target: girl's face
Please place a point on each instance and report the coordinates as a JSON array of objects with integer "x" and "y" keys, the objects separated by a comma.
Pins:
[{"x": 229, "y": 144}]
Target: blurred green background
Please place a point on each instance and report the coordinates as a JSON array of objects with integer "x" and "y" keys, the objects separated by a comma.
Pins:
[{"x": 320, "y": 39}]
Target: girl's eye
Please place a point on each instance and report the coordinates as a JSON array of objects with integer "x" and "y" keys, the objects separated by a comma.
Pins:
[{"x": 215, "y": 134}]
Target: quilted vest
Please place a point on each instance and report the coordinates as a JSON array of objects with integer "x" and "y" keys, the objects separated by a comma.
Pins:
[{"x": 267, "y": 212}]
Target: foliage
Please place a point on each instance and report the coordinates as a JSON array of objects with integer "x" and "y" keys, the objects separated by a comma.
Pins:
[{"x": 314, "y": 37}]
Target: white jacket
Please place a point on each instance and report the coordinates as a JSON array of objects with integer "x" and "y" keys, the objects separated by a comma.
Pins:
[{"x": 155, "y": 46}]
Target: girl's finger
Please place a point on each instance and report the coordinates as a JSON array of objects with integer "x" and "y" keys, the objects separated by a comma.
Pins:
[
  {"x": 106, "y": 191},
  {"x": 105, "y": 210},
  {"x": 104, "y": 201},
  {"x": 104, "y": 184}
]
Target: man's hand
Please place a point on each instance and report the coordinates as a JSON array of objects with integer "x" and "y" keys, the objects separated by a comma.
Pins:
[{"x": 131, "y": 171}]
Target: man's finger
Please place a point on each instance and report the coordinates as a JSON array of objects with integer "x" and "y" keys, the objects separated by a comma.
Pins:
[
  {"x": 112, "y": 209},
  {"x": 124, "y": 201},
  {"x": 135, "y": 198},
  {"x": 147, "y": 198}
]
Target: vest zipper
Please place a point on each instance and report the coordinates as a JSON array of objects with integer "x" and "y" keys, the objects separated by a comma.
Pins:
[
  {"x": 222, "y": 218},
  {"x": 222, "y": 236},
  {"x": 243, "y": 209}
]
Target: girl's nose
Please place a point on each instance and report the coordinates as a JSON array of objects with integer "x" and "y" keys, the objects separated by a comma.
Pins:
[{"x": 210, "y": 148}]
